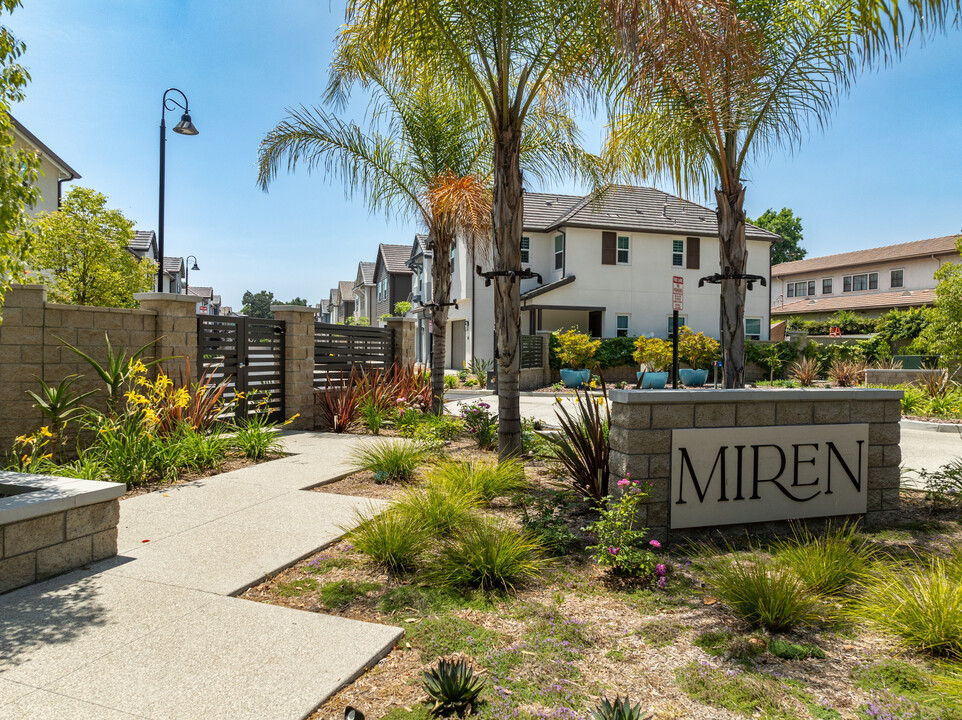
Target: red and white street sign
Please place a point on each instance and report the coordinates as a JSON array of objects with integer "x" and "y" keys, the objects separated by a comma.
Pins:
[{"x": 677, "y": 292}]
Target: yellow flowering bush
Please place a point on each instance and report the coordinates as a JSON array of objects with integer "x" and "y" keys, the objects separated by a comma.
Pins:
[
  {"x": 575, "y": 349},
  {"x": 697, "y": 349},
  {"x": 653, "y": 353}
]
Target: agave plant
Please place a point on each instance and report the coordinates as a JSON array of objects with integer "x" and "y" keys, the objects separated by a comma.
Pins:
[
  {"x": 617, "y": 710},
  {"x": 453, "y": 688}
]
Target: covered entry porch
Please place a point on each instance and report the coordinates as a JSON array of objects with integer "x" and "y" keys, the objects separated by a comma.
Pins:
[{"x": 539, "y": 319}]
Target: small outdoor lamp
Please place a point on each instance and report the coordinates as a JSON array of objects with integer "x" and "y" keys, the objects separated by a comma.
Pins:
[
  {"x": 187, "y": 272},
  {"x": 184, "y": 127},
  {"x": 352, "y": 714}
]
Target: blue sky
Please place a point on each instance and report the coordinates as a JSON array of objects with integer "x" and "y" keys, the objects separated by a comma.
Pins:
[{"x": 888, "y": 168}]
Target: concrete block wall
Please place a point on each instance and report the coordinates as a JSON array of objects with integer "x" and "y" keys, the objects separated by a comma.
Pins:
[
  {"x": 41, "y": 547},
  {"x": 298, "y": 363},
  {"x": 405, "y": 332},
  {"x": 642, "y": 422}
]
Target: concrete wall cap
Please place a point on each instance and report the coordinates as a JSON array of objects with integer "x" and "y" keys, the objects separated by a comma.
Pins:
[
  {"x": 293, "y": 308},
  {"x": 49, "y": 494},
  {"x": 171, "y": 297},
  {"x": 751, "y": 395}
]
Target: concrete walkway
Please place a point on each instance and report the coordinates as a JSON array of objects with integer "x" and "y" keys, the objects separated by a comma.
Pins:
[{"x": 156, "y": 633}]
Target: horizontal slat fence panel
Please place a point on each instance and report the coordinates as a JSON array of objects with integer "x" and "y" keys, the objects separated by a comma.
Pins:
[
  {"x": 249, "y": 353},
  {"x": 339, "y": 349},
  {"x": 532, "y": 351}
]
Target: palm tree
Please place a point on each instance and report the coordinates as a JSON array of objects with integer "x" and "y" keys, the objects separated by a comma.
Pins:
[
  {"x": 712, "y": 85},
  {"x": 521, "y": 61},
  {"x": 424, "y": 156}
]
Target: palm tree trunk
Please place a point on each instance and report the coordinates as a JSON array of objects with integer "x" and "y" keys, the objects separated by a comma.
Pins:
[
  {"x": 441, "y": 295},
  {"x": 734, "y": 259},
  {"x": 506, "y": 217}
]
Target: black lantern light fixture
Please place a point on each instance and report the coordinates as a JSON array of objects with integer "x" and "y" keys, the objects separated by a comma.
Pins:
[
  {"x": 187, "y": 270},
  {"x": 184, "y": 127}
]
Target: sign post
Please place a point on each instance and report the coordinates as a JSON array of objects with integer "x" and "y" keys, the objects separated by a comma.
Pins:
[{"x": 677, "y": 303}]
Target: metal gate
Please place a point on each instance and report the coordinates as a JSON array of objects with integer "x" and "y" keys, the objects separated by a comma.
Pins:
[
  {"x": 249, "y": 353},
  {"x": 340, "y": 349}
]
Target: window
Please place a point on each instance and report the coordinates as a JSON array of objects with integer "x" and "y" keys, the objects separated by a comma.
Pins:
[
  {"x": 525, "y": 250},
  {"x": 559, "y": 252},
  {"x": 624, "y": 255},
  {"x": 898, "y": 279},
  {"x": 826, "y": 286},
  {"x": 453, "y": 246},
  {"x": 811, "y": 287},
  {"x": 801, "y": 289},
  {"x": 678, "y": 253},
  {"x": 621, "y": 325},
  {"x": 862, "y": 281},
  {"x": 753, "y": 328},
  {"x": 682, "y": 322}
]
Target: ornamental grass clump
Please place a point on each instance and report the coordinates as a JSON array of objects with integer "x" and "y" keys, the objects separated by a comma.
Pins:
[
  {"x": 921, "y": 603},
  {"x": 761, "y": 590},
  {"x": 438, "y": 509},
  {"x": 391, "y": 539},
  {"x": 829, "y": 563},
  {"x": 486, "y": 480},
  {"x": 390, "y": 460},
  {"x": 488, "y": 556}
]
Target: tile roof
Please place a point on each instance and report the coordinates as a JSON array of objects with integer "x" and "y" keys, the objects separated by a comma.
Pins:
[
  {"x": 542, "y": 289},
  {"x": 173, "y": 265},
  {"x": 366, "y": 271},
  {"x": 333, "y": 298},
  {"x": 142, "y": 240},
  {"x": 200, "y": 291},
  {"x": 395, "y": 257},
  {"x": 902, "y": 251},
  {"x": 420, "y": 246},
  {"x": 325, "y": 304},
  {"x": 629, "y": 208},
  {"x": 346, "y": 289},
  {"x": 869, "y": 301}
]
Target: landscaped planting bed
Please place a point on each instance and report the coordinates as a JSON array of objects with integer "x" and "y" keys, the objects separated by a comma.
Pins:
[{"x": 560, "y": 617}]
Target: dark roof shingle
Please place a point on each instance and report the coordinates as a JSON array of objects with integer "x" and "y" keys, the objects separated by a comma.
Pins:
[
  {"x": 869, "y": 301},
  {"x": 346, "y": 288},
  {"x": 395, "y": 257},
  {"x": 142, "y": 240},
  {"x": 366, "y": 271},
  {"x": 902, "y": 251},
  {"x": 173, "y": 265}
]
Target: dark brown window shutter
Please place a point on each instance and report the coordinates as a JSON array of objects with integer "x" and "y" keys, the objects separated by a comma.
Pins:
[
  {"x": 694, "y": 253},
  {"x": 609, "y": 248}
]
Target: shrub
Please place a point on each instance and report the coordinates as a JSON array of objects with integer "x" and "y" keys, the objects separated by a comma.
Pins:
[
  {"x": 828, "y": 563},
  {"x": 481, "y": 423},
  {"x": 256, "y": 438},
  {"x": 697, "y": 349},
  {"x": 340, "y": 403},
  {"x": 451, "y": 382},
  {"x": 653, "y": 353},
  {"x": 582, "y": 447},
  {"x": 944, "y": 486},
  {"x": 622, "y": 547},
  {"x": 920, "y": 603},
  {"x": 761, "y": 591},
  {"x": 391, "y": 539},
  {"x": 191, "y": 450},
  {"x": 485, "y": 480},
  {"x": 575, "y": 349},
  {"x": 615, "y": 352},
  {"x": 772, "y": 356},
  {"x": 806, "y": 372},
  {"x": 914, "y": 401},
  {"x": 390, "y": 460},
  {"x": 490, "y": 557},
  {"x": 372, "y": 416},
  {"x": 436, "y": 508},
  {"x": 453, "y": 688},
  {"x": 546, "y": 519},
  {"x": 847, "y": 374},
  {"x": 479, "y": 368}
]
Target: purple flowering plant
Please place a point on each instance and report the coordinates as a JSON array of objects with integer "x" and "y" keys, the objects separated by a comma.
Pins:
[{"x": 622, "y": 547}]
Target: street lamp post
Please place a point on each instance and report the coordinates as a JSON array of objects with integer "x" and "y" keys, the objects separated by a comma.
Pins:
[
  {"x": 184, "y": 127},
  {"x": 187, "y": 270}
]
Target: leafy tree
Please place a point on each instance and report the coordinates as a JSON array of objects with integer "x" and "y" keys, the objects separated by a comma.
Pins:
[
  {"x": 258, "y": 304},
  {"x": 422, "y": 156},
  {"x": 785, "y": 224},
  {"x": 712, "y": 85},
  {"x": 943, "y": 333},
  {"x": 81, "y": 253},
  {"x": 296, "y": 301},
  {"x": 18, "y": 168},
  {"x": 520, "y": 62}
]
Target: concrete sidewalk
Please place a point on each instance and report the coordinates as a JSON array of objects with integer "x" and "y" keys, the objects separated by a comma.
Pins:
[{"x": 155, "y": 633}]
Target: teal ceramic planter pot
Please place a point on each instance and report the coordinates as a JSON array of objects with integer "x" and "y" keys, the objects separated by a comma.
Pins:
[
  {"x": 653, "y": 380},
  {"x": 575, "y": 378},
  {"x": 693, "y": 378}
]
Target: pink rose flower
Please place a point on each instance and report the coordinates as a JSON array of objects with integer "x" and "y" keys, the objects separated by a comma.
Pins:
[
  {"x": 654, "y": 543},
  {"x": 623, "y": 482}
]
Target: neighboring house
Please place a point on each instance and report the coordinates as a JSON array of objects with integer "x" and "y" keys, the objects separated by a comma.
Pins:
[
  {"x": 364, "y": 293},
  {"x": 870, "y": 282},
  {"x": 173, "y": 275},
  {"x": 144, "y": 244},
  {"x": 332, "y": 306},
  {"x": 342, "y": 301},
  {"x": 421, "y": 295},
  {"x": 392, "y": 278},
  {"x": 207, "y": 302},
  {"x": 53, "y": 170},
  {"x": 323, "y": 311},
  {"x": 607, "y": 267}
]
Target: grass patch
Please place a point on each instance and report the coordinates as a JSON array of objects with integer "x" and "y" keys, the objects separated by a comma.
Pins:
[
  {"x": 485, "y": 480},
  {"x": 438, "y": 510},
  {"x": 714, "y": 642},
  {"x": 829, "y": 563},
  {"x": 390, "y": 460},
  {"x": 295, "y": 588},
  {"x": 544, "y": 621},
  {"x": 795, "y": 651},
  {"x": 762, "y": 591},
  {"x": 392, "y": 539},
  {"x": 423, "y": 599},
  {"x": 321, "y": 564},
  {"x": 437, "y": 637},
  {"x": 490, "y": 557},
  {"x": 660, "y": 633},
  {"x": 419, "y": 712},
  {"x": 340, "y": 594}
]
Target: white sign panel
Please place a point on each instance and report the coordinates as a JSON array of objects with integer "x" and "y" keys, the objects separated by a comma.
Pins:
[
  {"x": 724, "y": 476},
  {"x": 677, "y": 292}
]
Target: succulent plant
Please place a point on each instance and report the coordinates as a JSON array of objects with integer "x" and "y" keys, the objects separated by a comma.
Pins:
[
  {"x": 453, "y": 687},
  {"x": 617, "y": 710}
]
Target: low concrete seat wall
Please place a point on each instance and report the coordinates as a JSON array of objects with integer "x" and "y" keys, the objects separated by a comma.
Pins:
[
  {"x": 875, "y": 376},
  {"x": 646, "y": 432}
]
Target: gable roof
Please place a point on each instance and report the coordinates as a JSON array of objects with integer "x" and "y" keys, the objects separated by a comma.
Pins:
[
  {"x": 173, "y": 265},
  {"x": 201, "y": 291},
  {"x": 365, "y": 273},
  {"x": 394, "y": 258},
  {"x": 346, "y": 290},
  {"x": 333, "y": 297},
  {"x": 66, "y": 172},
  {"x": 143, "y": 240},
  {"x": 628, "y": 208},
  {"x": 889, "y": 253},
  {"x": 870, "y": 301}
]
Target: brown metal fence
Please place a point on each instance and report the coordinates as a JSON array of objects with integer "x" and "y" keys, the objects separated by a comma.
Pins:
[
  {"x": 532, "y": 351},
  {"x": 339, "y": 349},
  {"x": 249, "y": 353}
]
